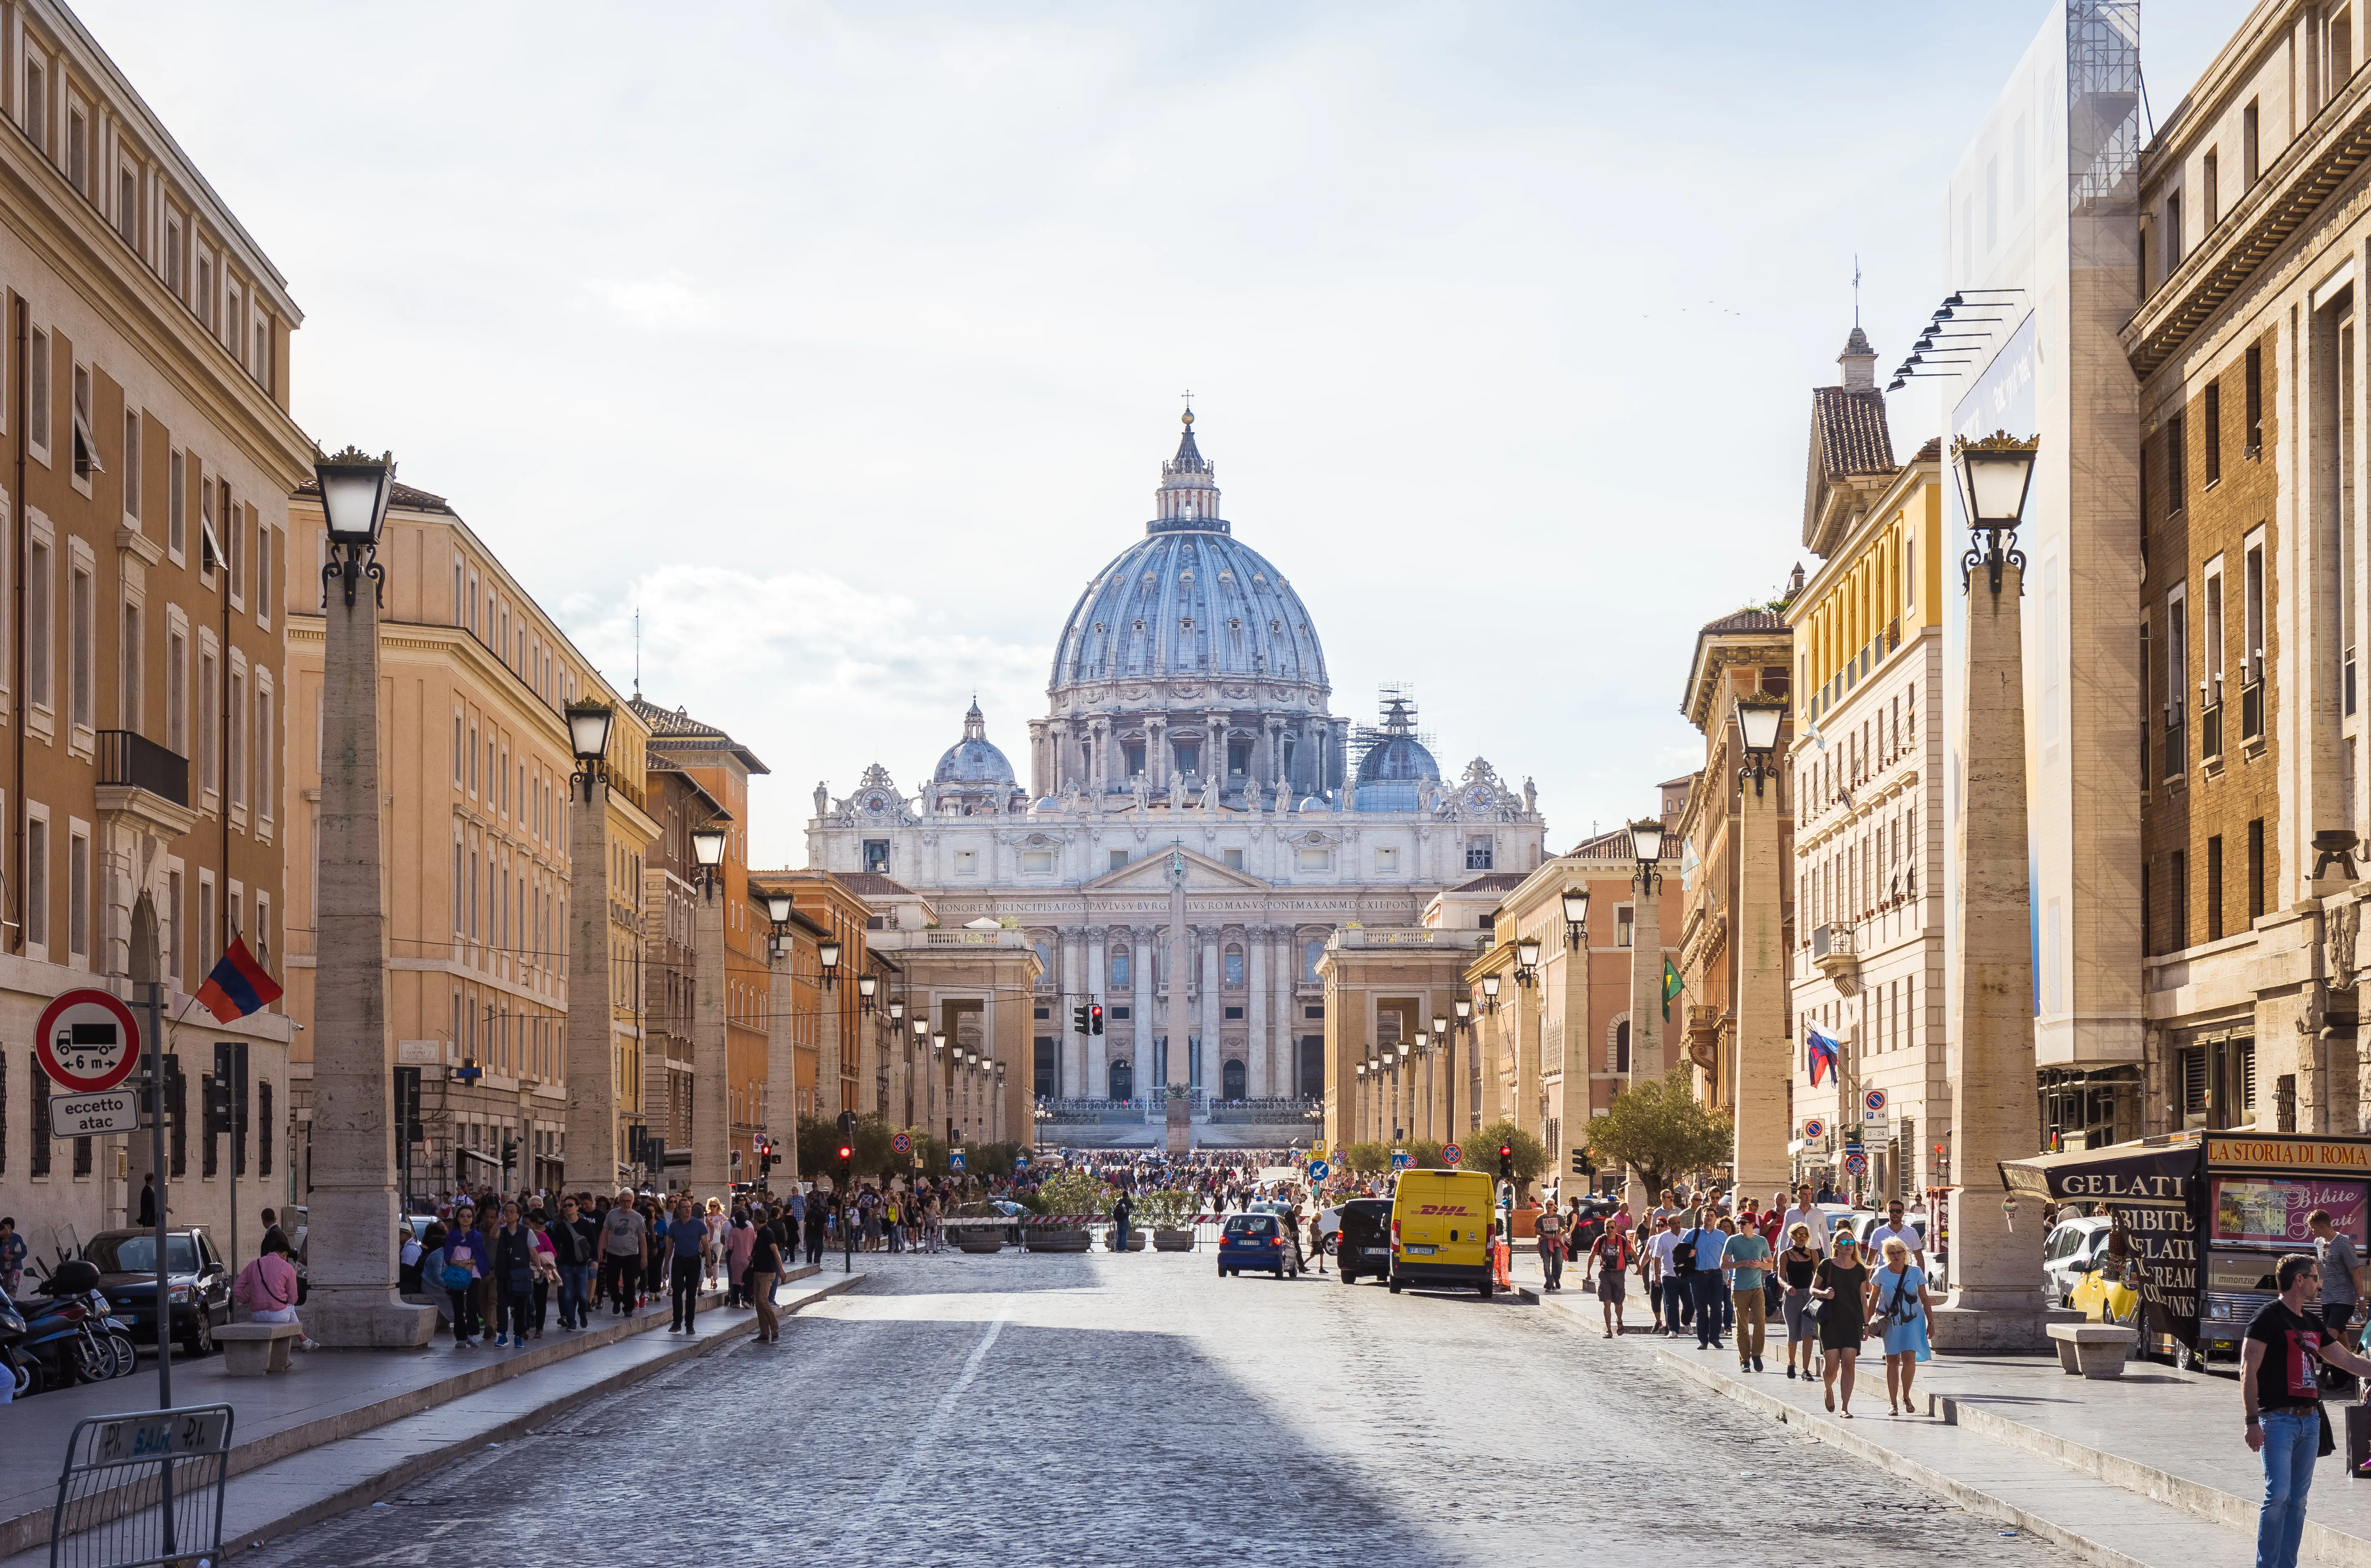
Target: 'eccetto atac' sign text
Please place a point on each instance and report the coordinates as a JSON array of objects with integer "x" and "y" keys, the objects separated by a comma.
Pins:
[{"x": 2289, "y": 1154}]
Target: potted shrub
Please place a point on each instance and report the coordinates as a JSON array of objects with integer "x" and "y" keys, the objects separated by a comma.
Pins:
[
  {"x": 978, "y": 1228},
  {"x": 1072, "y": 1192},
  {"x": 1169, "y": 1214}
]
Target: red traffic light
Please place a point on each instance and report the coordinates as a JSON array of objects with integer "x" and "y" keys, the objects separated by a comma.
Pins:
[
  {"x": 1506, "y": 1152},
  {"x": 846, "y": 1152}
]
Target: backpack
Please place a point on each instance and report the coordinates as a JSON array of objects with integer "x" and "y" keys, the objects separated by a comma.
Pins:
[{"x": 1683, "y": 1256}]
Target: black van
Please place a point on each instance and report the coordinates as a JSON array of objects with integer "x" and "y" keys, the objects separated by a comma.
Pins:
[{"x": 1364, "y": 1250}]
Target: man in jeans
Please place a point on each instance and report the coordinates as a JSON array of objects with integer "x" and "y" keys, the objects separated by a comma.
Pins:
[
  {"x": 573, "y": 1253},
  {"x": 2281, "y": 1396},
  {"x": 2341, "y": 1284},
  {"x": 1744, "y": 1259},
  {"x": 624, "y": 1250},
  {"x": 1551, "y": 1235},
  {"x": 1707, "y": 1285}
]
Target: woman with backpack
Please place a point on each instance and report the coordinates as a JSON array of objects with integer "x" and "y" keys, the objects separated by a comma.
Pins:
[{"x": 1902, "y": 1300}]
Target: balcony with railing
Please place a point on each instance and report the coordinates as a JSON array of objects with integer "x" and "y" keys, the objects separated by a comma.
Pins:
[{"x": 133, "y": 760}]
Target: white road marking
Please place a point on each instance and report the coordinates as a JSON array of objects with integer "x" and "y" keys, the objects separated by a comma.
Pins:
[{"x": 893, "y": 1486}]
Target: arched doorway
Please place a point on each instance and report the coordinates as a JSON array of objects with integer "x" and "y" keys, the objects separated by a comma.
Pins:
[
  {"x": 1231, "y": 1080},
  {"x": 1122, "y": 1080}
]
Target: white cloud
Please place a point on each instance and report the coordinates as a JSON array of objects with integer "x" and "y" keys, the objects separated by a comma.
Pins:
[{"x": 652, "y": 302}]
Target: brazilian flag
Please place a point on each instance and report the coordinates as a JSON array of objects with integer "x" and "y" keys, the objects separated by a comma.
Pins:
[{"x": 1670, "y": 988}]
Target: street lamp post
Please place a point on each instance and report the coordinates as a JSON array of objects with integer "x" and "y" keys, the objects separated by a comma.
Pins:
[
  {"x": 1765, "y": 1062},
  {"x": 1646, "y": 950},
  {"x": 712, "y": 1113},
  {"x": 352, "y": 1298},
  {"x": 1993, "y": 1304},
  {"x": 590, "y": 1153},
  {"x": 1465, "y": 1010}
]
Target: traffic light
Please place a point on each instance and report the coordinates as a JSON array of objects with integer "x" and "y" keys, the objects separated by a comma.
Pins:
[
  {"x": 510, "y": 1155},
  {"x": 1506, "y": 1162},
  {"x": 1095, "y": 1017},
  {"x": 1079, "y": 1018},
  {"x": 1581, "y": 1164}
]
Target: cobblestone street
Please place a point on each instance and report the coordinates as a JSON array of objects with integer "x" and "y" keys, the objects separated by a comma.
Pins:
[{"x": 1021, "y": 1410}]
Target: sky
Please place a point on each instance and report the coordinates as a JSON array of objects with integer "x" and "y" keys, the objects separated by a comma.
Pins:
[{"x": 844, "y": 343}]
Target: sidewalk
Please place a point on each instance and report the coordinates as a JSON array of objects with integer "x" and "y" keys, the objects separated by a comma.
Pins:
[
  {"x": 312, "y": 1440},
  {"x": 2149, "y": 1470}
]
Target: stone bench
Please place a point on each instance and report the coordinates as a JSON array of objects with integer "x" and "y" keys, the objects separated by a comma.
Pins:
[
  {"x": 2094, "y": 1350},
  {"x": 252, "y": 1350}
]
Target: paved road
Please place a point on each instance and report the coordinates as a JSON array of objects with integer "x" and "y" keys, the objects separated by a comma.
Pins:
[{"x": 1016, "y": 1411}]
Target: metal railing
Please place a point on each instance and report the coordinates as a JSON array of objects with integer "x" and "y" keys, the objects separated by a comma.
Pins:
[
  {"x": 2251, "y": 710},
  {"x": 2210, "y": 732},
  {"x": 142, "y": 1489},
  {"x": 129, "y": 759}
]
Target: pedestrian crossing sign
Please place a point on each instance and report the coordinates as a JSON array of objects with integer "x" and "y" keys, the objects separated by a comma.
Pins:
[{"x": 954, "y": 1160}]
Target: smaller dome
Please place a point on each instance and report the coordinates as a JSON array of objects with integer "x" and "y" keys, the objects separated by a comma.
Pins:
[
  {"x": 1314, "y": 803},
  {"x": 1399, "y": 760},
  {"x": 974, "y": 759}
]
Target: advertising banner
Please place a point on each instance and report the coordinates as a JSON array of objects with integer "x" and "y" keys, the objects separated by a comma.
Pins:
[{"x": 2149, "y": 1194}]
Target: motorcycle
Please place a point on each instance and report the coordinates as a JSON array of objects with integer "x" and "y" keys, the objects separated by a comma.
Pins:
[
  {"x": 22, "y": 1369},
  {"x": 67, "y": 1334}
]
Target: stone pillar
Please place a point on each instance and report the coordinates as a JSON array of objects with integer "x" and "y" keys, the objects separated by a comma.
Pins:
[
  {"x": 782, "y": 1120},
  {"x": 1256, "y": 1051},
  {"x": 712, "y": 1106},
  {"x": 1070, "y": 955},
  {"x": 1178, "y": 1023},
  {"x": 1140, "y": 970},
  {"x": 353, "y": 1299},
  {"x": 1764, "y": 1055},
  {"x": 1993, "y": 1304},
  {"x": 1647, "y": 1029},
  {"x": 1212, "y": 940},
  {"x": 1091, "y": 1048},
  {"x": 830, "y": 1091},
  {"x": 1156, "y": 752}
]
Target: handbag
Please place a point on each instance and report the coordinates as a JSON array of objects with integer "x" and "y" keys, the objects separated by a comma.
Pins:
[{"x": 457, "y": 1277}]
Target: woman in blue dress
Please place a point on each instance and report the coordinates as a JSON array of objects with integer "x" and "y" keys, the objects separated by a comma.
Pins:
[{"x": 1898, "y": 1301}]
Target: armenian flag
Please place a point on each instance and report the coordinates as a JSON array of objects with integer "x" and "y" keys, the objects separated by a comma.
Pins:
[{"x": 238, "y": 985}]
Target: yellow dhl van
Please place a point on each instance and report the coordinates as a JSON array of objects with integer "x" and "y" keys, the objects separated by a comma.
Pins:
[{"x": 1441, "y": 1228}]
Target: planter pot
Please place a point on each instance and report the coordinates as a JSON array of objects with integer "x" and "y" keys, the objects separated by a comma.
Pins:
[
  {"x": 1135, "y": 1240},
  {"x": 1046, "y": 1240},
  {"x": 979, "y": 1241},
  {"x": 1172, "y": 1241}
]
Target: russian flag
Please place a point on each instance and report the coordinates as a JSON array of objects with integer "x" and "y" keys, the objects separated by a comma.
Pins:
[
  {"x": 239, "y": 985},
  {"x": 1819, "y": 1052}
]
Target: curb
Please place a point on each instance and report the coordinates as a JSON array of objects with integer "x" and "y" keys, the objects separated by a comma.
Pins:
[{"x": 362, "y": 1493}]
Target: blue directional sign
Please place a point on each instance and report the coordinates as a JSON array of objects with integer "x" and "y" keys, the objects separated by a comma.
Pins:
[
  {"x": 1021, "y": 1162},
  {"x": 954, "y": 1160},
  {"x": 1399, "y": 1159},
  {"x": 1319, "y": 1170}
]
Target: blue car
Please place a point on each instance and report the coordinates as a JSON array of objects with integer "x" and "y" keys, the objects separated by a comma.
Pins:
[{"x": 1258, "y": 1241}]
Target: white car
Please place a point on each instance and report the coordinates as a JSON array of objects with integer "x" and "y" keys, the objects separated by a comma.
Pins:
[{"x": 2071, "y": 1244}]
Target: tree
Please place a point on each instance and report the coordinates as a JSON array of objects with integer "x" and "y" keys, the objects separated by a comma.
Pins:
[
  {"x": 1661, "y": 1131},
  {"x": 1369, "y": 1159},
  {"x": 1481, "y": 1152}
]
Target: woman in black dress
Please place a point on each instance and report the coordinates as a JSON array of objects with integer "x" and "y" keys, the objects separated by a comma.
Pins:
[
  {"x": 1796, "y": 1266},
  {"x": 1841, "y": 1286}
]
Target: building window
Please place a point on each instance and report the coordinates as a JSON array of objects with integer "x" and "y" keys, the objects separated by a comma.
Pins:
[
  {"x": 132, "y": 465},
  {"x": 36, "y": 107},
  {"x": 78, "y": 895},
  {"x": 2210, "y": 183},
  {"x": 209, "y": 721},
  {"x": 78, "y": 611},
  {"x": 967, "y": 862},
  {"x": 2172, "y": 233},
  {"x": 2214, "y": 888},
  {"x": 1119, "y": 968},
  {"x": 1234, "y": 968},
  {"x": 2251, "y": 404},
  {"x": 266, "y": 742},
  {"x": 2214, "y": 434},
  {"x": 2180, "y": 895},
  {"x": 37, "y": 881},
  {"x": 1037, "y": 862},
  {"x": 173, "y": 919},
  {"x": 1316, "y": 859},
  {"x": 1233, "y": 859},
  {"x": 1624, "y": 925},
  {"x": 1118, "y": 858},
  {"x": 2177, "y": 462},
  {"x": 37, "y": 393},
  {"x": 37, "y": 625},
  {"x": 1309, "y": 954},
  {"x": 1479, "y": 853},
  {"x": 2255, "y": 870},
  {"x": 85, "y": 445},
  {"x": 133, "y": 656}
]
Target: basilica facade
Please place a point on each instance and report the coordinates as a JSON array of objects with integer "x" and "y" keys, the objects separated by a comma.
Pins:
[{"x": 1189, "y": 736}]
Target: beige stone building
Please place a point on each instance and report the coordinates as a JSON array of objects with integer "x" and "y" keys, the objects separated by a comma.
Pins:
[
  {"x": 143, "y": 409},
  {"x": 474, "y": 764},
  {"x": 2256, "y": 249}
]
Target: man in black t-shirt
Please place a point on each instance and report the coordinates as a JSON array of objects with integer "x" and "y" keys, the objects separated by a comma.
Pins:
[{"x": 2280, "y": 1388}]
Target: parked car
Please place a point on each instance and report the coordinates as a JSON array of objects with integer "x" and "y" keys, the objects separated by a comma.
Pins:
[
  {"x": 197, "y": 1282},
  {"x": 1364, "y": 1250},
  {"x": 2071, "y": 1244}
]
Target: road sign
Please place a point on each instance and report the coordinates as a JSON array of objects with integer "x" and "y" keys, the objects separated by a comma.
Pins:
[
  {"x": 1856, "y": 1163},
  {"x": 954, "y": 1160},
  {"x": 1021, "y": 1162},
  {"x": 1399, "y": 1159},
  {"x": 1317, "y": 1150},
  {"x": 903, "y": 1143},
  {"x": 1813, "y": 1127},
  {"x": 87, "y": 1042},
  {"x": 1872, "y": 1105},
  {"x": 1452, "y": 1155},
  {"x": 1319, "y": 1170},
  {"x": 79, "y": 1115}
]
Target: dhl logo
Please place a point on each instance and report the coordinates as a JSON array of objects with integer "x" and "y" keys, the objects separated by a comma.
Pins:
[{"x": 1445, "y": 1209}]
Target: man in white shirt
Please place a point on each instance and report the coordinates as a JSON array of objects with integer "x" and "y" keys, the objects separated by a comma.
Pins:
[
  {"x": 1896, "y": 1229},
  {"x": 1808, "y": 1214},
  {"x": 1669, "y": 1294}
]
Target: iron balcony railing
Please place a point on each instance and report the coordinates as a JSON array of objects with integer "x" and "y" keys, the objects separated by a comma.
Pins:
[{"x": 128, "y": 758}]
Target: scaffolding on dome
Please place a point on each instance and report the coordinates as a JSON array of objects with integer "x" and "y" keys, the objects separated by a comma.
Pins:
[{"x": 1395, "y": 706}]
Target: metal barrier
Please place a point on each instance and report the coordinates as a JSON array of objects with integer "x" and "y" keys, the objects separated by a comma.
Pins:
[{"x": 143, "y": 1490}]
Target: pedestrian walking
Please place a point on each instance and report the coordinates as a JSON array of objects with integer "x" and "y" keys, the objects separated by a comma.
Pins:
[
  {"x": 514, "y": 1272},
  {"x": 624, "y": 1240},
  {"x": 1841, "y": 1287},
  {"x": 765, "y": 1265},
  {"x": 148, "y": 1204},
  {"x": 2341, "y": 1286},
  {"x": 1123, "y": 1213},
  {"x": 1610, "y": 1255},
  {"x": 1549, "y": 1231},
  {"x": 1669, "y": 1283},
  {"x": 2280, "y": 1392},
  {"x": 1699, "y": 1256},
  {"x": 1901, "y": 1302},
  {"x": 572, "y": 1255},
  {"x": 1796, "y": 1266},
  {"x": 1806, "y": 1211},
  {"x": 465, "y": 1265},
  {"x": 740, "y": 1246},
  {"x": 687, "y": 1243},
  {"x": 1746, "y": 1260}
]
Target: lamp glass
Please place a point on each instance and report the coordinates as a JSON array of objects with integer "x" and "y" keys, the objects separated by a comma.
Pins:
[
  {"x": 1465, "y": 1009},
  {"x": 1490, "y": 985},
  {"x": 354, "y": 491},
  {"x": 1994, "y": 475},
  {"x": 866, "y": 985},
  {"x": 1646, "y": 839},
  {"x": 708, "y": 845},
  {"x": 778, "y": 909},
  {"x": 1527, "y": 953},
  {"x": 1439, "y": 1024},
  {"x": 829, "y": 951},
  {"x": 1575, "y": 905},
  {"x": 897, "y": 1010},
  {"x": 589, "y": 730},
  {"x": 1759, "y": 722}
]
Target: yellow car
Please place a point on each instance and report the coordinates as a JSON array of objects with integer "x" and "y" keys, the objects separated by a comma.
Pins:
[{"x": 2105, "y": 1291}]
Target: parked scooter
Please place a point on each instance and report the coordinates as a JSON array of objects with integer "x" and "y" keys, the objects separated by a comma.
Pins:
[
  {"x": 22, "y": 1369},
  {"x": 66, "y": 1332}
]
